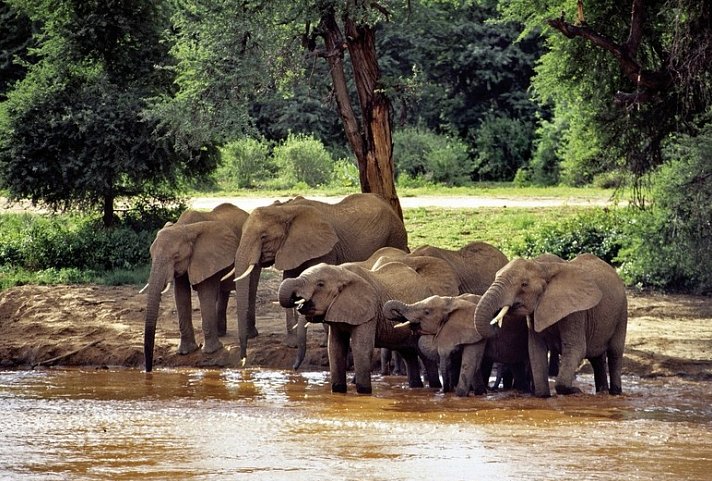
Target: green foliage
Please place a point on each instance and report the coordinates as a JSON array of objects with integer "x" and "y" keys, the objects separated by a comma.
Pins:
[
  {"x": 597, "y": 231},
  {"x": 503, "y": 145},
  {"x": 345, "y": 174},
  {"x": 544, "y": 164},
  {"x": 303, "y": 158},
  {"x": 74, "y": 131},
  {"x": 245, "y": 163},
  {"x": 438, "y": 158},
  {"x": 40, "y": 242},
  {"x": 671, "y": 241},
  {"x": 15, "y": 43}
]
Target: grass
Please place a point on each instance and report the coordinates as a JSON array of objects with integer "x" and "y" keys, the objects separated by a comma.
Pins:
[
  {"x": 488, "y": 189},
  {"x": 504, "y": 228},
  {"x": 501, "y": 227}
]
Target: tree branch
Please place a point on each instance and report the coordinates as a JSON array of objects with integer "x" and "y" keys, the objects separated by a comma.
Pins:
[{"x": 646, "y": 81}]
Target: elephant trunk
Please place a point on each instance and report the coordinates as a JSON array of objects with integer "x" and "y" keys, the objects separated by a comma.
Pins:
[
  {"x": 289, "y": 299},
  {"x": 247, "y": 273},
  {"x": 287, "y": 293},
  {"x": 489, "y": 307},
  {"x": 395, "y": 311},
  {"x": 301, "y": 341},
  {"x": 157, "y": 281}
]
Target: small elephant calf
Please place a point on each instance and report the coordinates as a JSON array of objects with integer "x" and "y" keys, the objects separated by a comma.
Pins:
[{"x": 447, "y": 331}]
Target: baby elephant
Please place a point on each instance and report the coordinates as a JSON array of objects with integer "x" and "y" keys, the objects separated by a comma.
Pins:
[{"x": 447, "y": 332}]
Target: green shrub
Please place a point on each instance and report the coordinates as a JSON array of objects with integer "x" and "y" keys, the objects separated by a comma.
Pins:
[
  {"x": 672, "y": 240},
  {"x": 599, "y": 231},
  {"x": 245, "y": 162},
  {"x": 303, "y": 158},
  {"x": 345, "y": 174},
  {"x": 435, "y": 158},
  {"x": 503, "y": 146}
]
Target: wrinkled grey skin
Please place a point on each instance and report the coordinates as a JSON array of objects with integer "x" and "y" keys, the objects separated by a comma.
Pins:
[
  {"x": 294, "y": 235},
  {"x": 194, "y": 252},
  {"x": 577, "y": 308},
  {"x": 475, "y": 264},
  {"x": 447, "y": 333},
  {"x": 350, "y": 300}
]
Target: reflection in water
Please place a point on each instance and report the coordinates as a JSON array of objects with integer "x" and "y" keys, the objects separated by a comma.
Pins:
[{"x": 272, "y": 425}]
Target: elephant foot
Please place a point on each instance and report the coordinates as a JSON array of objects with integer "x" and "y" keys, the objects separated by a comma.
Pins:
[
  {"x": 186, "y": 347},
  {"x": 338, "y": 388},
  {"x": 212, "y": 346},
  {"x": 417, "y": 383},
  {"x": 615, "y": 391},
  {"x": 566, "y": 390},
  {"x": 361, "y": 389},
  {"x": 252, "y": 332},
  {"x": 462, "y": 392}
]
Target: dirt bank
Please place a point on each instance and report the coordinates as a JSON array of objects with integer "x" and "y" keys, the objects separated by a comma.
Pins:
[{"x": 668, "y": 335}]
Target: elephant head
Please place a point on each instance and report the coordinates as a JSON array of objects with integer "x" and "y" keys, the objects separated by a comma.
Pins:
[
  {"x": 198, "y": 250},
  {"x": 430, "y": 315},
  {"x": 328, "y": 293},
  {"x": 544, "y": 292}
]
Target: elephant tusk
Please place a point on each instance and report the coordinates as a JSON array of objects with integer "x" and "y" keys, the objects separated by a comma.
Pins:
[
  {"x": 300, "y": 302},
  {"x": 401, "y": 324},
  {"x": 498, "y": 319},
  {"x": 243, "y": 361},
  {"x": 307, "y": 324},
  {"x": 244, "y": 274},
  {"x": 168, "y": 286},
  {"x": 228, "y": 275},
  {"x": 143, "y": 289},
  {"x": 529, "y": 321}
]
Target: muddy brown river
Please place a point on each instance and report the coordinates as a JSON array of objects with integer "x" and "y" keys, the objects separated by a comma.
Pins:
[{"x": 259, "y": 424}]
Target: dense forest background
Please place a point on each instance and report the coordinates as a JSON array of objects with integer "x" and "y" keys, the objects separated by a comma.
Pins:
[{"x": 140, "y": 100}]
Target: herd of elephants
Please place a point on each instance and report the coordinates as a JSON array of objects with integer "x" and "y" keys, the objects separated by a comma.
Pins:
[{"x": 451, "y": 314}]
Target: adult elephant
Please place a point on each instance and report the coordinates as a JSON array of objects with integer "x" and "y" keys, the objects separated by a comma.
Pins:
[
  {"x": 475, "y": 263},
  {"x": 194, "y": 252},
  {"x": 297, "y": 234},
  {"x": 447, "y": 333},
  {"x": 350, "y": 298},
  {"x": 577, "y": 308}
]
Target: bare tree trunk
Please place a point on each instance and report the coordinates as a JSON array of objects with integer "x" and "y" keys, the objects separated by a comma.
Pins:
[{"x": 370, "y": 139}]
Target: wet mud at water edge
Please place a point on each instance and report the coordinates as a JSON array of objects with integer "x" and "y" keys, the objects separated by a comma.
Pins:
[{"x": 269, "y": 424}]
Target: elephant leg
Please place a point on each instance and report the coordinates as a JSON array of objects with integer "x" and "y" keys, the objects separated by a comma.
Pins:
[
  {"x": 445, "y": 364},
  {"x": 221, "y": 307},
  {"x": 615, "y": 358},
  {"x": 412, "y": 366},
  {"x": 184, "y": 307},
  {"x": 208, "y": 296},
  {"x": 573, "y": 351},
  {"x": 520, "y": 376},
  {"x": 338, "y": 350},
  {"x": 431, "y": 373},
  {"x": 539, "y": 363},
  {"x": 362, "y": 345},
  {"x": 252, "y": 302},
  {"x": 386, "y": 356},
  {"x": 469, "y": 366},
  {"x": 486, "y": 371},
  {"x": 600, "y": 376},
  {"x": 398, "y": 364}
]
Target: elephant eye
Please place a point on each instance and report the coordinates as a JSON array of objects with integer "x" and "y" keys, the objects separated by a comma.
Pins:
[
  {"x": 525, "y": 284},
  {"x": 427, "y": 312},
  {"x": 320, "y": 284}
]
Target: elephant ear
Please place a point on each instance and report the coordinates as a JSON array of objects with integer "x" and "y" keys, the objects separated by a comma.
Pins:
[
  {"x": 460, "y": 323},
  {"x": 213, "y": 250},
  {"x": 356, "y": 303},
  {"x": 569, "y": 290},
  {"x": 309, "y": 236}
]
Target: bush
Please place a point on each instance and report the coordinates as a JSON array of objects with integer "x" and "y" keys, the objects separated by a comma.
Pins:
[
  {"x": 345, "y": 174},
  {"x": 599, "y": 231},
  {"x": 673, "y": 238},
  {"x": 303, "y": 158},
  {"x": 436, "y": 158},
  {"x": 245, "y": 162},
  {"x": 503, "y": 146}
]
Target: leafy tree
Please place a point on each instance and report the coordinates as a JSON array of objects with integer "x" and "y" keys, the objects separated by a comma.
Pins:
[
  {"x": 629, "y": 73},
  {"x": 74, "y": 130},
  {"x": 16, "y": 31}
]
